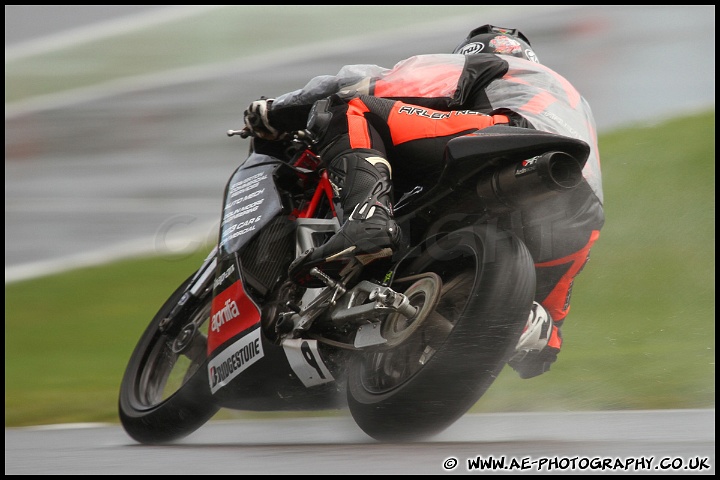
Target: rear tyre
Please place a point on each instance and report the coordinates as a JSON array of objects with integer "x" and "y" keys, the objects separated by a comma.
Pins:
[{"x": 423, "y": 384}]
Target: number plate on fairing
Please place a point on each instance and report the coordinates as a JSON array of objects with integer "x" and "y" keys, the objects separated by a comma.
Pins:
[{"x": 306, "y": 362}]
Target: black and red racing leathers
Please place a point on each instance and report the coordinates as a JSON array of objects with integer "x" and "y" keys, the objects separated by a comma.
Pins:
[{"x": 409, "y": 113}]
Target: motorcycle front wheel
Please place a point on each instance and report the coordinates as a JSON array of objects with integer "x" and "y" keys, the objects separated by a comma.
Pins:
[
  {"x": 165, "y": 394},
  {"x": 443, "y": 366}
]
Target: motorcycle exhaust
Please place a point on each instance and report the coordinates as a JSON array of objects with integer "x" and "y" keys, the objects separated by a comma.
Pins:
[{"x": 528, "y": 182}]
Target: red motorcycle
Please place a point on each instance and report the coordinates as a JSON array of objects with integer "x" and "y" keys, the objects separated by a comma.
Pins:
[{"x": 408, "y": 345}]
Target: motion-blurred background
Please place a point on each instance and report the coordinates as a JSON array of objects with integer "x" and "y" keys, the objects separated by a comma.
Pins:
[{"x": 115, "y": 148}]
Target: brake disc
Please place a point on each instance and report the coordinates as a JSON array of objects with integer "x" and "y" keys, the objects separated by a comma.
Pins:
[{"x": 424, "y": 295}]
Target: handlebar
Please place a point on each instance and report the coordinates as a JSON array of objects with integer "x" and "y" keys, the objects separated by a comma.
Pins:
[
  {"x": 303, "y": 136},
  {"x": 253, "y": 119},
  {"x": 244, "y": 133}
]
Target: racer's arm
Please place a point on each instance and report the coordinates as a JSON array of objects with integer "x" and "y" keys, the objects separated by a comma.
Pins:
[{"x": 290, "y": 111}]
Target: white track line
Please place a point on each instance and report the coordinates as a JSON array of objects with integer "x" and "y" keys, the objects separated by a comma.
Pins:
[{"x": 119, "y": 26}]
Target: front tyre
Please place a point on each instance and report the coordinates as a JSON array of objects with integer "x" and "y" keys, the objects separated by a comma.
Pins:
[
  {"x": 441, "y": 369},
  {"x": 165, "y": 395}
]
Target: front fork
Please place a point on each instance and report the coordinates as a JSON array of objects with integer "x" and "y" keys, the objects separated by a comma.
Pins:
[{"x": 200, "y": 283}]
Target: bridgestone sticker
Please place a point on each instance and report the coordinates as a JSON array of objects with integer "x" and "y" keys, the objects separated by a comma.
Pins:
[{"x": 229, "y": 363}]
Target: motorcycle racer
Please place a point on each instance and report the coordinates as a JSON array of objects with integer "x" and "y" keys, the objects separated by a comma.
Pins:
[{"x": 494, "y": 77}]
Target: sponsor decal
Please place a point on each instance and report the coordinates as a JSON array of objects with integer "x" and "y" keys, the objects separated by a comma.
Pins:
[
  {"x": 223, "y": 276},
  {"x": 505, "y": 45},
  {"x": 241, "y": 228},
  {"x": 305, "y": 360},
  {"x": 531, "y": 55},
  {"x": 472, "y": 48},
  {"x": 246, "y": 184},
  {"x": 227, "y": 313},
  {"x": 458, "y": 113},
  {"x": 423, "y": 112},
  {"x": 526, "y": 166},
  {"x": 245, "y": 198},
  {"x": 232, "y": 312},
  {"x": 571, "y": 131},
  {"x": 236, "y": 358},
  {"x": 242, "y": 211},
  {"x": 435, "y": 114}
]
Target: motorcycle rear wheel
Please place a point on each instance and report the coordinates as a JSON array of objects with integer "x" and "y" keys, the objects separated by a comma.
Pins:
[
  {"x": 423, "y": 385},
  {"x": 165, "y": 394}
]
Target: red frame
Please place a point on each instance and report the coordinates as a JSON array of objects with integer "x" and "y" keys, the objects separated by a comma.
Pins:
[{"x": 324, "y": 187}]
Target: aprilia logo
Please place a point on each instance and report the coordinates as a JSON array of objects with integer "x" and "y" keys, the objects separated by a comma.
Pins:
[
  {"x": 232, "y": 313},
  {"x": 228, "y": 312}
]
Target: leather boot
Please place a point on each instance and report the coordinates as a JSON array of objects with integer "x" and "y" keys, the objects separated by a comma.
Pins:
[{"x": 369, "y": 234}]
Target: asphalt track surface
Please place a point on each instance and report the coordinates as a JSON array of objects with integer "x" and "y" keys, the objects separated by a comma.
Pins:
[
  {"x": 631, "y": 442},
  {"x": 152, "y": 163}
]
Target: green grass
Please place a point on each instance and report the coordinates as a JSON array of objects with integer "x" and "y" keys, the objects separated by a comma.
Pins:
[
  {"x": 68, "y": 336},
  {"x": 641, "y": 331},
  {"x": 640, "y": 335}
]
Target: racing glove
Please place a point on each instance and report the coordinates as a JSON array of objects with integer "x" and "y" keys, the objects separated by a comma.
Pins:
[{"x": 256, "y": 120}]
